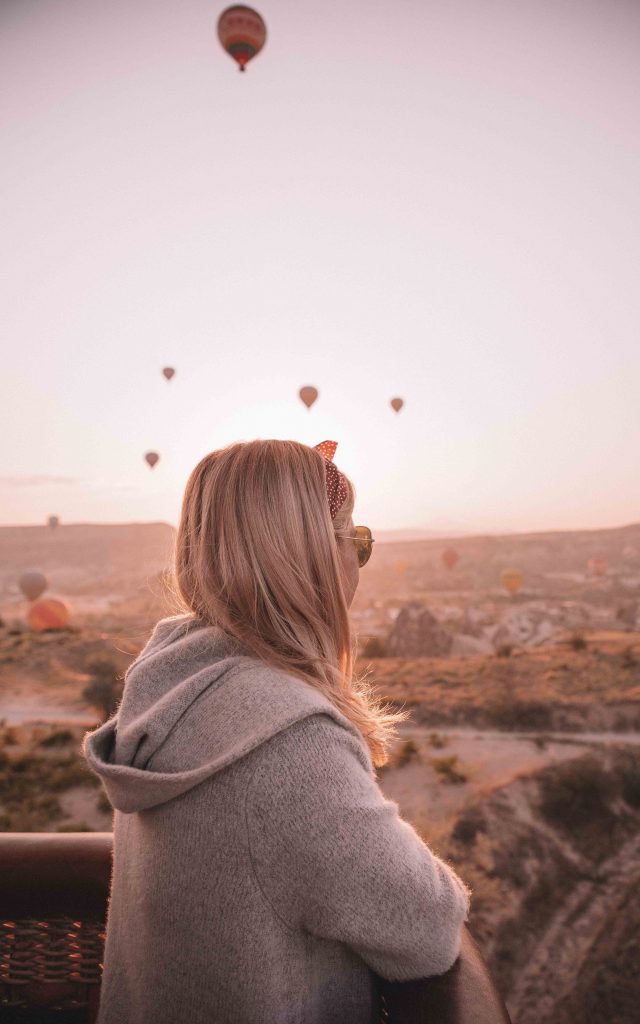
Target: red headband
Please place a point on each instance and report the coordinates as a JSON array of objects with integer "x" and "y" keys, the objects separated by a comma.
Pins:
[{"x": 336, "y": 484}]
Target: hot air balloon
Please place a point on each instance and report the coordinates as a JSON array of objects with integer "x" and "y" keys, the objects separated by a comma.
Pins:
[
  {"x": 152, "y": 458},
  {"x": 400, "y": 566},
  {"x": 597, "y": 565},
  {"x": 397, "y": 403},
  {"x": 512, "y": 580},
  {"x": 242, "y": 33},
  {"x": 53, "y": 521},
  {"x": 308, "y": 395},
  {"x": 450, "y": 557},
  {"x": 48, "y": 613},
  {"x": 32, "y": 583},
  {"x": 168, "y": 371}
]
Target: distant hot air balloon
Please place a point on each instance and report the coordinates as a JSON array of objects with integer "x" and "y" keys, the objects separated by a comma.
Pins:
[
  {"x": 242, "y": 33},
  {"x": 168, "y": 371},
  {"x": 53, "y": 521},
  {"x": 512, "y": 580},
  {"x": 152, "y": 458},
  {"x": 400, "y": 566},
  {"x": 450, "y": 557},
  {"x": 48, "y": 613},
  {"x": 308, "y": 395},
  {"x": 597, "y": 565},
  {"x": 397, "y": 403},
  {"x": 32, "y": 583}
]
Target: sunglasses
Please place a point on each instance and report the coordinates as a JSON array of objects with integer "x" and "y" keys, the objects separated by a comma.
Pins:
[{"x": 363, "y": 541}]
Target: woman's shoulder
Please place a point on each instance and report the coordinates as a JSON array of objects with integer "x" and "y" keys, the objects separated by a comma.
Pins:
[{"x": 316, "y": 744}]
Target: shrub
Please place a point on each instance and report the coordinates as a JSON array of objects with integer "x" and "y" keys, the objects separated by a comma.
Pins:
[
  {"x": 466, "y": 828},
  {"x": 437, "y": 741},
  {"x": 628, "y": 772},
  {"x": 30, "y": 815},
  {"x": 105, "y": 689},
  {"x": 577, "y": 641},
  {"x": 506, "y": 711},
  {"x": 447, "y": 769},
  {"x": 29, "y": 784},
  {"x": 10, "y": 736},
  {"x": 103, "y": 803},
  {"x": 59, "y": 738},
  {"x": 408, "y": 752},
  {"x": 628, "y": 657},
  {"x": 576, "y": 792},
  {"x": 67, "y": 772},
  {"x": 373, "y": 647},
  {"x": 504, "y": 650}
]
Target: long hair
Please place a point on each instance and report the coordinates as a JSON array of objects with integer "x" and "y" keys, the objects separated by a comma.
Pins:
[{"x": 256, "y": 553}]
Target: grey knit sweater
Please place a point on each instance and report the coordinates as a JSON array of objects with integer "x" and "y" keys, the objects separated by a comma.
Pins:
[{"x": 260, "y": 876}]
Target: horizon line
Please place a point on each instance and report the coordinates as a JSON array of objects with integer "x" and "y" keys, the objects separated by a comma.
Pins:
[{"x": 389, "y": 536}]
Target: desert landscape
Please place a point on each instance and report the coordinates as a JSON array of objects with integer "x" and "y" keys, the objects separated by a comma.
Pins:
[{"x": 520, "y": 763}]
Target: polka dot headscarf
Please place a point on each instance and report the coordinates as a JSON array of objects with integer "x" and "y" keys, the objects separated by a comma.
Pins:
[{"x": 336, "y": 483}]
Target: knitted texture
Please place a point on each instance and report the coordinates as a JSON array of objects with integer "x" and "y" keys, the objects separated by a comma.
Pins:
[{"x": 259, "y": 873}]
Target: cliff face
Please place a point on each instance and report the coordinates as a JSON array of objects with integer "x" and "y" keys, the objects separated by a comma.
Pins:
[
  {"x": 416, "y": 633},
  {"x": 554, "y": 860}
]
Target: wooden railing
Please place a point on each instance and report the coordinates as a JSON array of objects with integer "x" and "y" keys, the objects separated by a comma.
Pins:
[{"x": 53, "y": 898}]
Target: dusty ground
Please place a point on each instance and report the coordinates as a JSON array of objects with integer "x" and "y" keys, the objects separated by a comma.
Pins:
[
  {"x": 428, "y": 798},
  {"x": 553, "y": 908}
]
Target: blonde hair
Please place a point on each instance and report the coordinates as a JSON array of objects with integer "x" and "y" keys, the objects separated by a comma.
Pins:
[{"x": 256, "y": 554}]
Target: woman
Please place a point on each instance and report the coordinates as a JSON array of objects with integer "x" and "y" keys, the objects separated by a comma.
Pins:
[{"x": 259, "y": 873}]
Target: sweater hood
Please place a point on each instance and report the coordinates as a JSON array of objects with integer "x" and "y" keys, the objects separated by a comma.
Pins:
[{"x": 193, "y": 677}]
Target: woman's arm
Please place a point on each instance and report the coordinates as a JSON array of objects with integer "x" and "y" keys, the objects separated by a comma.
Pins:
[{"x": 334, "y": 857}]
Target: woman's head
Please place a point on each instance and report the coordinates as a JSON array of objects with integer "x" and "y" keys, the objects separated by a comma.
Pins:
[{"x": 258, "y": 554}]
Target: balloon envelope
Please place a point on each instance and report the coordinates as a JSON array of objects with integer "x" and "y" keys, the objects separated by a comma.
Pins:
[
  {"x": 53, "y": 521},
  {"x": 512, "y": 580},
  {"x": 48, "y": 613},
  {"x": 242, "y": 33},
  {"x": 401, "y": 566},
  {"x": 168, "y": 371},
  {"x": 308, "y": 395},
  {"x": 32, "y": 583},
  {"x": 152, "y": 458},
  {"x": 397, "y": 403},
  {"x": 450, "y": 557}
]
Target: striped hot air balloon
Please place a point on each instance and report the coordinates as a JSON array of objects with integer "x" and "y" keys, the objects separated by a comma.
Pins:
[
  {"x": 450, "y": 557},
  {"x": 512, "y": 580},
  {"x": 48, "y": 613},
  {"x": 242, "y": 33},
  {"x": 597, "y": 565}
]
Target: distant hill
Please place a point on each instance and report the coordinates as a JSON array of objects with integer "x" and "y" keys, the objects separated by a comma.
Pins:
[
  {"x": 482, "y": 557},
  {"x": 103, "y": 559},
  {"x": 395, "y": 536},
  {"x": 83, "y": 558}
]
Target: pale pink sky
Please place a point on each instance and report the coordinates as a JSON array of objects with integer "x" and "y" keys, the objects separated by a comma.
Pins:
[{"x": 435, "y": 199}]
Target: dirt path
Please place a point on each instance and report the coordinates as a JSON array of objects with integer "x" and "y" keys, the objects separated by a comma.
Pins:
[
  {"x": 408, "y": 729},
  {"x": 487, "y": 759}
]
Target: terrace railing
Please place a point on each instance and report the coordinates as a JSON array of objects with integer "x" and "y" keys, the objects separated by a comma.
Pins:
[{"x": 53, "y": 899}]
